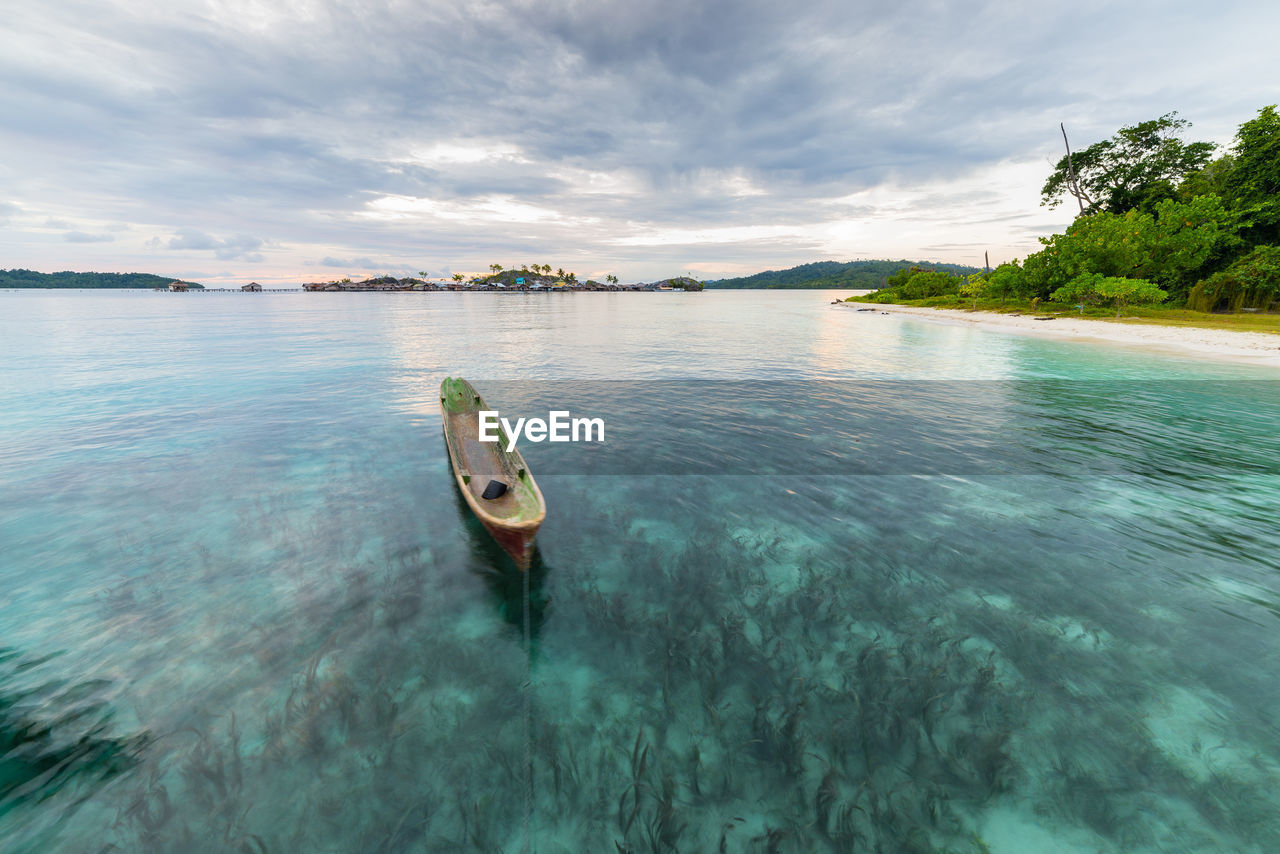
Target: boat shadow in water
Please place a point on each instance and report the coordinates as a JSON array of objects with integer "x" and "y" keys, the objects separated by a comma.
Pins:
[{"x": 502, "y": 576}]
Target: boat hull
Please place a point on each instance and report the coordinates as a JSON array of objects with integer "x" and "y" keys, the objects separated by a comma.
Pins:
[
  {"x": 515, "y": 542},
  {"x": 513, "y": 518}
]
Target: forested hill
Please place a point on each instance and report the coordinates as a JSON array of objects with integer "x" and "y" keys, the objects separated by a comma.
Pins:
[
  {"x": 66, "y": 279},
  {"x": 834, "y": 274}
]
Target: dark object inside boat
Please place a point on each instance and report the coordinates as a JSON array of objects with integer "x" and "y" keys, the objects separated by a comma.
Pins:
[{"x": 495, "y": 489}]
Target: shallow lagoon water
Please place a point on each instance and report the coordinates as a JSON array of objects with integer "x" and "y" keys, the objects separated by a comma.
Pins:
[{"x": 245, "y": 609}]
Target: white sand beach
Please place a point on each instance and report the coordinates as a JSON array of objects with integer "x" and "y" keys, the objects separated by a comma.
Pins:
[{"x": 1257, "y": 348}]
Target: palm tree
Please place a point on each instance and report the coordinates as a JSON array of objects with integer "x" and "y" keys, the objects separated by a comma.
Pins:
[{"x": 457, "y": 277}]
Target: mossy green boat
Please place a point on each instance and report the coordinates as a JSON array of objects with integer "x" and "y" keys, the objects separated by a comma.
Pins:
[{"x": 495, "y": 482}]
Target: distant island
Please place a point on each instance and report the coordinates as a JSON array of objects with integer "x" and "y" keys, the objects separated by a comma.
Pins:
[
  {"x": 822, "y": 275},
  {"x": 18, "y": 278},
  {"x": 523, "y": 279},
  {"x": 819, "y": 275}
]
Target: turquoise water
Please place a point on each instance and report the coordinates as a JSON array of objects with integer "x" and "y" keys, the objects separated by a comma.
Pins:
[{"x": 981, "y": 592}]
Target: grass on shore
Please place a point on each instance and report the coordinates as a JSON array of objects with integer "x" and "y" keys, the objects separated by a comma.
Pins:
[{"x": 1147, "y": 314}]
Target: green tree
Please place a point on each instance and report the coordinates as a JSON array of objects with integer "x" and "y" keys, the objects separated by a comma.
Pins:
[
  {"x": 973, "y": 287},
  {"x": 1209, "y": 180},
  {"x": 1190, "y": 239},
  {"x": 1124, "y": 292},
  {"x": 1173, "y": 246},
  {"x": 1092, "y": 288},
  {"x": 611, "y": 279},
  {"x": 457, "y": 277},
  {"x": 1256, "y": 172},
  {"x": 930, "y": 283},
  {"x": 1254, "y": 178},
  {"x": 1041, "y": 273},
  {"x": 1250, "y": 282},
  {"x": 915, "y": 282},
  {"x": 900, "y": 277},
  {"x": 1004, "y": 281},
  {"x": 1081, "y": 290},
  {"x": 1138, "y": 167}
]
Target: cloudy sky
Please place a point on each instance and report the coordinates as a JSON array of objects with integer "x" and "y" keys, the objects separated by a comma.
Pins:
[{"x": 234, "y": 140}]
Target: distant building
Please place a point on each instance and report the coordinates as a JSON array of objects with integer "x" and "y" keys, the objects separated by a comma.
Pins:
[
  {"x": 178, "y": 287},
  {"x": 252, "y": 286}
]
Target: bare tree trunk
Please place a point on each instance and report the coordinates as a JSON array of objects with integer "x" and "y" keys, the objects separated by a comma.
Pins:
[{"x": 1071, "y": 172}]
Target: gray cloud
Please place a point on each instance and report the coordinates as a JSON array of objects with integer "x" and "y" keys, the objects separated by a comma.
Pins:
[
  {"x": 368, "y": 265},
  {"x": 85, "y": 237},
  {"x": 351, "y": 263},
  {"x": 225, "y": 249},
  {"x": 557, "y": 128},
  {"x": 192, "y": 239}
]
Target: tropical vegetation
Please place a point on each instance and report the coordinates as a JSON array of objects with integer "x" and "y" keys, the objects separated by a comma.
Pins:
[
  {"x": 681, "y": 283},
  {"x": 831, "y": 275},
  {"x": 1160, "y": 221},
  {"x": 18, "y": 278}
]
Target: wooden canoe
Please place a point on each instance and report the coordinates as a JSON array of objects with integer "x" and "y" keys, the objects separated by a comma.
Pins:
[{"x": 512, "y": 518}]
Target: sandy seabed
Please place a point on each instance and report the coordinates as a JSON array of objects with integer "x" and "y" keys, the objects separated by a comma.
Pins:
[{"x": 1258, "y": 348}]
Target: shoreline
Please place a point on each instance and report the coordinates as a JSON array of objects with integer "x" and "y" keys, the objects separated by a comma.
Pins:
[{"x": 1254, "y": 348}]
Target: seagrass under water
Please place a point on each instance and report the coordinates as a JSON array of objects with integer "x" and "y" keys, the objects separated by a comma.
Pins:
[{"x": 247, "y": 609}]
